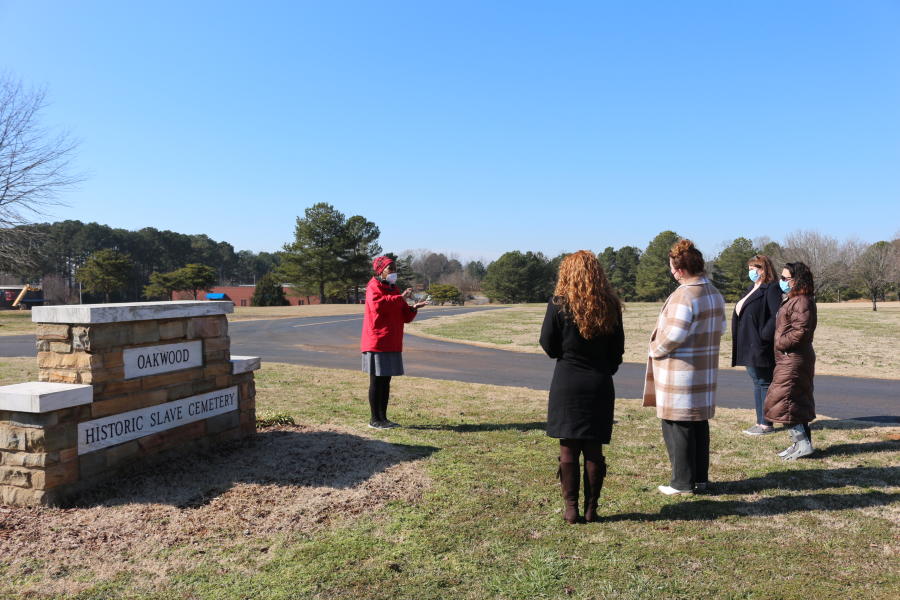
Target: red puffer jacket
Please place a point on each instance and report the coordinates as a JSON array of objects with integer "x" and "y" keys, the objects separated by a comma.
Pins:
[{"x": 386, "y": 312}]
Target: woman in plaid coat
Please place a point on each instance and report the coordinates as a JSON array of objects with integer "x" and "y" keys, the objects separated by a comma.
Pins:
[{"x": 682, "y": 365}]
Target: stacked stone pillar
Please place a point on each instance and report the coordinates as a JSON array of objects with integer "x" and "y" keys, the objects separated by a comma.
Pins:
[{"x": 120, "y": 383}]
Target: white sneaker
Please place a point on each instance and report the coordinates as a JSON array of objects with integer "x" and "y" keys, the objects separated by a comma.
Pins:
[{"x": 670, "y": 491}]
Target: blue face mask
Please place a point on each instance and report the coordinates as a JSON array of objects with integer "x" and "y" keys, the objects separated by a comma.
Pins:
[
  {"x": 753, "y": 275},
  {"x": 785, "y": 286}
]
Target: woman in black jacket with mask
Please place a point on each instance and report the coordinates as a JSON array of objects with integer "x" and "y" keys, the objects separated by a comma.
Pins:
[{"x": 753, "y": 332}]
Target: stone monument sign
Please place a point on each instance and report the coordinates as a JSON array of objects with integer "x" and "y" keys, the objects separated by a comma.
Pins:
[{"x": 119, "y": 383}]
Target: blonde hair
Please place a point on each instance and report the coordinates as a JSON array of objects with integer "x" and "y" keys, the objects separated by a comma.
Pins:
[{"x": 584, "y": 293}]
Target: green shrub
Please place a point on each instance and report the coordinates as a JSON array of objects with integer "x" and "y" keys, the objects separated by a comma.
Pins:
[{"x": 271, "y": 419}]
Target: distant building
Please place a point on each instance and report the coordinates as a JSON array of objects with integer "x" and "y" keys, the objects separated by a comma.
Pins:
[{"x": 241, "y": 295}]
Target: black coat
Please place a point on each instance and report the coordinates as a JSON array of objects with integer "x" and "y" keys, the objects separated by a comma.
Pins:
[
  {"x": 582, "y": 395},
  {"x": 753, "y": 331}
]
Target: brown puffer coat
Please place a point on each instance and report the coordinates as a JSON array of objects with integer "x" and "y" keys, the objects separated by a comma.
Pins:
[{"x": 790, "y": 397}]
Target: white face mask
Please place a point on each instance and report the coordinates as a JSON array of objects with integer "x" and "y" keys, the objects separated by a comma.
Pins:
[{"x": 392, "y": 278}]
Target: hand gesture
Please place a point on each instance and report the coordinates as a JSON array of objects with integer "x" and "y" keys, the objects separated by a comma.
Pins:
[{"x": 407, "y": 292}]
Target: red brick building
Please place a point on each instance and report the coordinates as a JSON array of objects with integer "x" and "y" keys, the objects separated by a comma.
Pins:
[{"x": 241, "y": 295}]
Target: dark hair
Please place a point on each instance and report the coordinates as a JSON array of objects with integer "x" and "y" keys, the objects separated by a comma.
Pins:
[
  {"x": 803, "y": 279},
  {"x": 761, "y": 261},
  {"x": 686, "y": 257}
]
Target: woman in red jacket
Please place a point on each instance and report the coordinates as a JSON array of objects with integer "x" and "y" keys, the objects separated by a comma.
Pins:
[{"x": 382, "y": 336}]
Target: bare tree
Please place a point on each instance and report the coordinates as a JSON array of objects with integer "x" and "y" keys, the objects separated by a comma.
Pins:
[
  {"x": 461, "y": 280},
  {"x": 34, "y": 165},
  {"x": 57, "y": 291},
  {"x": 849, "y": 252},
  {"x": 760, "y": 241},
  {"x": 820, "y": 253},
  {"x": 875, "y": 269}
]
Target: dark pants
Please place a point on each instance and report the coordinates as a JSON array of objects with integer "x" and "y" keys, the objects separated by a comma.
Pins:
[
  {"x": 688, "y": 446},
  {"x": 762, "y": 377}
]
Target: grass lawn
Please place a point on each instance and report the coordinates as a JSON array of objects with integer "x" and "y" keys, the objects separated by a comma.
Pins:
[
  {"x": 850, "y": 338},
  {"x": 464, "y": 504},
  {"x": 15, "y": 322}
]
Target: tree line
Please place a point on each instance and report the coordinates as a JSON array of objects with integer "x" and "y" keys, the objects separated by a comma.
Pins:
[
  {"x": 331, "y": 254},
  {"x": 843, "y": 270},
  {"x": 53, "y": 253}
]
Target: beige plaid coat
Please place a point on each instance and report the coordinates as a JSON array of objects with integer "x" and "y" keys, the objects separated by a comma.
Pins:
[{"x": 683, "y": 358}]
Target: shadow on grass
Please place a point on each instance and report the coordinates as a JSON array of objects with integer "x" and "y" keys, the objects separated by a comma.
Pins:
[
  {"x": 862, "y": 448},
  {"x": 857, "y": 422},
  {"x": 284, "y": 456},
  {"x": 812, "y": 479},
  {"x": 477, "y": 427},
  {"x": 709, "y": 510}
]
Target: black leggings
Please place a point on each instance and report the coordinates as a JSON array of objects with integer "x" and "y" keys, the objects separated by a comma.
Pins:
[{"x": 379, "y": 390}]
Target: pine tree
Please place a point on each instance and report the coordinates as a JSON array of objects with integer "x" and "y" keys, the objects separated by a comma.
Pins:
[
  {"x": 730, "y": 273},
  {"x": 654, "y": 280},
  {"x": 105, "y": 272},
  {"x": 624, "y": 277},
  {"x": 268, "y": 292},
  {"x": 329, "y": 250},
  {"x": 518, "y": 277}
]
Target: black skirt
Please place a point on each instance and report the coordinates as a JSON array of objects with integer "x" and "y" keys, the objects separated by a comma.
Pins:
[{"x": 581, "y": 403}]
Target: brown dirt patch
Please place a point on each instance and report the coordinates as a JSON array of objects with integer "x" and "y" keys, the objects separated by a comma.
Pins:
[{"x": 285, "y": 480}]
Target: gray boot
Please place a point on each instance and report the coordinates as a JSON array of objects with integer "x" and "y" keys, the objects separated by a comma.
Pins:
[{"x": 802, "y": 444}]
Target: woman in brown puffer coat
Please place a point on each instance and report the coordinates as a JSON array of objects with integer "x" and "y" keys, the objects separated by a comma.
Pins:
[{"x": 790, "y": 396}]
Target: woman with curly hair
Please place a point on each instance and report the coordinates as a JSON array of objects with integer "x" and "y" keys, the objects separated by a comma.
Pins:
[
  {"x": 583, "y": 331},
  {"x": 790, "y": 397},
  {"x": 682, "y": 367}
]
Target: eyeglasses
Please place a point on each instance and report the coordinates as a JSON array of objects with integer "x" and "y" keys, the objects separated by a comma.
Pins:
[{"x": 783, "y": 278}]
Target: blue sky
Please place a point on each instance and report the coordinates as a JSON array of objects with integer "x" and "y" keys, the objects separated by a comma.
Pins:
[{"x": 475, "y": 127}]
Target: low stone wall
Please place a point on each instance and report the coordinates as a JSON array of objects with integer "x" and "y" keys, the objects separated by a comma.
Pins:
[{"x": 137, "y": 379}]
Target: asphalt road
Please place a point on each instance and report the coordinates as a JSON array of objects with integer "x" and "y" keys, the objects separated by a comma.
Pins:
[{"x": 333, "y": 342}]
